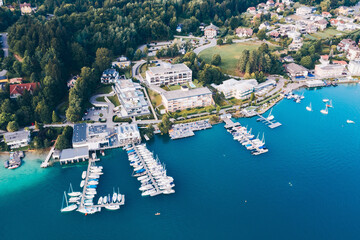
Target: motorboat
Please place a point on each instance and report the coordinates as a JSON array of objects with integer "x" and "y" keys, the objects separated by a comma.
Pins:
[
  {"x": 82, "y": 183},
  {"x": 88, "y": 210},
  {"x": 148, "y": 192},
  {"x": 100, "y": 200},
  {"x": 325, "y": 111},
  {"x": 325, "y": 100},
  {"x": 146, "y": 187},
  {"x": 112, "y": 207},
  {"x": 74, "y": 199},
  {"x": 68, "y": 207},
  {"x": 105, "y": 199},
  {"x": 350, "y": 121},
  {"x": 89, "y": 196},
  {"x": 309, "y": 108},
  {"x": 270, "y": 117},
  {"x": 93, "y": 183},
  {"x": 168, "y": 191},
  {"x": 83, "y": 175}
]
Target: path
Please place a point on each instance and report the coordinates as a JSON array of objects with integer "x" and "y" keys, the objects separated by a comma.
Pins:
[
  {"x": 135, "y": 69},
  {"x": 202, "y": 48},
  {"x": 149, "y": 103}
]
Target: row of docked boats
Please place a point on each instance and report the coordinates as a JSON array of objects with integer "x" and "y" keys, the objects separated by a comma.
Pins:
[
  {"x": 84, "y": 201},
  {"x": 149, "y": 171},
  {"x": 248, "y": 140},
  {"x": 295, "y": 97}
]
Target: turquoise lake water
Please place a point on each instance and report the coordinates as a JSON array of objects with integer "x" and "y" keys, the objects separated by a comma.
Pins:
[{"x": 305, "y": 187}]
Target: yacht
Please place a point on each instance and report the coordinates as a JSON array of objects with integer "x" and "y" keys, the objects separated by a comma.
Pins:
[
  {"x": 74, "y": 199},
  {"x": 72, "y": 193},
  {"x": 350, "y": 121},
  {"x": 88, "y": 210},
  {"x": 112, "y": 207},
  {"x": 114, "y": 198},
  {"x": 100, "y": 200},
  {"x": 93, "y": 182},
  {"x": 324, "y": 111},
  {"x": 146, "y": 187},
  {"x": 325, "y": 100},
  {"x": 82, "y": 183},
  {"x": 83, "y": 175},
  {"x": 168, "y": 191},
  {"x": 105, "y": 199},
  {"x": 309, "y": 108},
  {"x": 148, "y": 192}
]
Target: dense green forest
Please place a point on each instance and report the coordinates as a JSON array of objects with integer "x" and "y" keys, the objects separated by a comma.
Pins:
[{"x": 83, "y": 36}]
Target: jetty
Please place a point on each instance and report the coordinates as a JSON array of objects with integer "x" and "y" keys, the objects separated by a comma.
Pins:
[
  {"x": 229, "y": 123},
  {"x": 158, "y": 191},
  {"x": 184, "y": 130},
  {"x": 270, "y": 123},
  {"x": 46, "y": 163}
]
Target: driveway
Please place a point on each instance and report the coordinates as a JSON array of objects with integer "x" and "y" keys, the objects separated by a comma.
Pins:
[
  {"x": 211, "y": 44},
  {"x": 5, "y": 45},
  {"x": 135, "y": 69}
]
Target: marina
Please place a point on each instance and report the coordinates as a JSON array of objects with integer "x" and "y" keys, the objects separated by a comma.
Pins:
[
  {"x": 184, "y": 130},
  {"x": 149, "y": 171},
  {"x": 83, "y": 201},
  {"x": 246, "y": 138},
  {"x": 270, "y": 122}
]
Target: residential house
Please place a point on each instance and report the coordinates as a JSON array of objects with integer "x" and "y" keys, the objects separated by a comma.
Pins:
[
  {"x": 336, "y": 22},
  {"x": 25, "y": 8},
  {"x": 211, "y": 31},
  {"x": 15, "y": 80},
  {"x": 265, "y": 25},
  {"x": 345, "y": 10},
  {"x": 128, "y": 134},
  {"x": 288, "y": 59},
  {"x": 353, "y": 53},
  {"x": 344, "y": 45},
  {"x": 321, "y": 24},
  {"x": 121, "y": 62},
  {"x": 330, "y": 70},
  {"x": 354, "y": 68},
  {"x": 179, "y": 28},
  {"x": 186, "y": 98},
  {"x": 293, "y": 34},
  {"x": 270, "y": 3},
  {"x": 244, "y": 32},
  {"x": 345, "y": 19},
  {"x": 17, "y": 90},
  {"x": 17, "y": 139},
  {"x": 274, "y": 34},
  {"x": 109, "y": 76},
  {"x": 326, "y": 14},
  {"x": 324, "y": 59},
  {"x": 296, "y": 71},
  {"x": 251, "y": 10},
  {"x": 302, "y": 11},
  {"x": 169, "y": 74},
  {"x": 296, "y": 44},
  {"x": 236, "y": 89}
]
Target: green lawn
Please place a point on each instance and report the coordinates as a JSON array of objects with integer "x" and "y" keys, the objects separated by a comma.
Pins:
[
  {"x": 327, "y": 33},
  {"x": 155, "y": 98},
  {"x": 174, "y": 87},
  {"x": 103, "y": 89},
  {"x": 230, "y": 53},
  {"x": 115, "y": 100},
  {"x": 100, "y": 99}
]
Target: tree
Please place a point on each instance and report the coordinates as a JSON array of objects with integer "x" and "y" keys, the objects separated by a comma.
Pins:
[
  {"x": 137, "y": 55},
  {"x": 12, "y": 126},
  {"x": 54, "y": 117},
  {"x": 216, "y": 60},
  {"x": 307, "y": 62},
  {"x": 103, "y": 59},
  {"x": 261, "y": 34},
  {"x": 219, "y": 42},
  {"x": 165, "y": 124},
  {"x": 229, "y": 41}
]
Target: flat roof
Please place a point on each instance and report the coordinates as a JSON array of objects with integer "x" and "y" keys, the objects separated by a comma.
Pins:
[
  {"x": 97, "y": 129},
  {"x": 16, "y": 136},
  {"x": 171, "y": 95},
  {"x": 72, "y": 153},
  {"x": 79, "y": 133},
  {"x": 169, "y": 67}
]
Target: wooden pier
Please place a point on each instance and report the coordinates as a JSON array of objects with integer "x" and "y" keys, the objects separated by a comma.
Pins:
[
  {"x": 45, "y": 163},
  {"x": 270, "y": 123},
  {"x": 86, "y": 182},
  {"x": 229, "y": 123},
  {"x": 158, "y": 191}
]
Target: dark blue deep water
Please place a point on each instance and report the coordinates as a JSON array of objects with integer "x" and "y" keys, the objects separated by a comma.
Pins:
[{"x": 305, "y": 187}]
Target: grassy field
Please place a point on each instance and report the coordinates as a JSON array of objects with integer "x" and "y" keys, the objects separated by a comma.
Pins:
[
  {"x": 229, "y": 54},
  {"x": 100, "y": 99},
  {"x": 114, "y": 99},
  {"x": 327, "y": 33},
  {"x": 103, "y": 89},
  {"x": 155, "y": 98}
]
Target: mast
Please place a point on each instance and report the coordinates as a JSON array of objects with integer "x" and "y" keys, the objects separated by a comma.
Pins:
[{"x": 67, "y": 204}]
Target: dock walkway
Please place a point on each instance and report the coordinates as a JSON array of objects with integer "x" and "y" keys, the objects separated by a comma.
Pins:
[
  {"x": 45, "y": 163},
  {"x": 270, "y": 123},
  {"x": 86, "y": 182},
  {"x": 229, "y": 123},
  {"x": 158, "y": 191}
]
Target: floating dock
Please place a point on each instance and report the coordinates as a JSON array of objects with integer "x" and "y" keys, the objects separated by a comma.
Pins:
[
  {"x": 184, "y": 130},
  {"x": 270, "y": 123},
  {"x": 229, "y": 123}
]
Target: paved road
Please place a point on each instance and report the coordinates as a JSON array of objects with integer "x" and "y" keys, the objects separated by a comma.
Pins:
[
  {"x": 135, "y": 69},
  {"x": 5, "y": 45},
  {"x": 110, "y": 106},
  {"x": 211, "y": 44}
]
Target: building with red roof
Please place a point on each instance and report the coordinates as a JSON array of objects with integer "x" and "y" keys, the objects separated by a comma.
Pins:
[{"x": 17, "y": 90}]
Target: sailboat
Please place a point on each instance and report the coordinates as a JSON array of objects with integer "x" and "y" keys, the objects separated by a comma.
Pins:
[
  {"x": 329, "y": 104},
  {"x": 68, "y": 207},
  {"x": 72, "y": 193},
  {"x": 309, "y": 108},
  {"x": 114, "y": 198},
  {"x": 324, "y": 111},
  {"x": 270, "y": 117},
  {"x": 118, "y": 196}
]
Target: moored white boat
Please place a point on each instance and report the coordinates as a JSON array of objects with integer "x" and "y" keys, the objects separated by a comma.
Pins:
[{"x": 83, "y": 175}]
